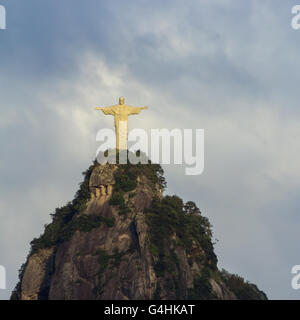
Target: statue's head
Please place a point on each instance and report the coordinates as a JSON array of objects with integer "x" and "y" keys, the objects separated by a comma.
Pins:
[{"x": 122, "y": 100}]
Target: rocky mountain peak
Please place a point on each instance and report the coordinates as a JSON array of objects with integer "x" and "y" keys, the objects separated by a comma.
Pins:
[{"x": 120, "y": 238}]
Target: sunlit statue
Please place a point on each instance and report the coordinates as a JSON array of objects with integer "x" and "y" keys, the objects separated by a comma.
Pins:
[{"x": 121, "y": 113}]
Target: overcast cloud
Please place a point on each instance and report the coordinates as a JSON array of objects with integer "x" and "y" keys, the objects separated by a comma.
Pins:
[{"x": 230, "y": 67}]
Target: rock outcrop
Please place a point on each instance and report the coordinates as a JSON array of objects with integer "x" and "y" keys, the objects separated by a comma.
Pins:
[{"x": 121, "y": 239}]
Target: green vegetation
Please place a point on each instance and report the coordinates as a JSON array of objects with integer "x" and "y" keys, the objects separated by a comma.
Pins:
[
  {"x": 125, "y": 178},
  {"x": 202, "y": 289},
  {"x": 132, "y": 195},
  {"x": 117, "y": 199},
  {"x": 156, "y": 294},
  {"x": 243, "y": 290},
  {"x": 154, "y": 250},
  {"x": 126, "y": 181},
  {"x": 16, "y": 294},
  {"x": 70, "y": 218},
  {"x": 104, "y": 261},
  {"x": 126, "y": 175},
  {"x": 56, "y": 233},
  {"x": 170, "y": 216}
]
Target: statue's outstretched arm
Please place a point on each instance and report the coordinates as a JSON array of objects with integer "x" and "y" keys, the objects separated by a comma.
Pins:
[
  {"x": 137, "y": 110},
  {"x": 107, "y": 110}
]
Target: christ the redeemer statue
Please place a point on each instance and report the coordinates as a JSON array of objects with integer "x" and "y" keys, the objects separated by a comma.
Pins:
[{"x": 121, "y": 113}]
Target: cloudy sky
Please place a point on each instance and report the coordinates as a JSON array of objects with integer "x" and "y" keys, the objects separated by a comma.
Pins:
[{"x": 230, "y": 67}]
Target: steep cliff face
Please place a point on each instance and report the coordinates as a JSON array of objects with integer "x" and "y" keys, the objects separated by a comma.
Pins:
[{"x": 121, "y": 239}]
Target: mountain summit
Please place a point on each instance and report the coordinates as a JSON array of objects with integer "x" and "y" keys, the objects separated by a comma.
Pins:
[{"x": 120, "y": 238}]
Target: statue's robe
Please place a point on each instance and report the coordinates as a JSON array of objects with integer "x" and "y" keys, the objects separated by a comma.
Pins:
[{"x": 121, "y": 113}]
